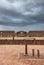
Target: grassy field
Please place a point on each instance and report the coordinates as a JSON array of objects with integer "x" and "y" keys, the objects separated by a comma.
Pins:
[{"x": 9, "y": 55}]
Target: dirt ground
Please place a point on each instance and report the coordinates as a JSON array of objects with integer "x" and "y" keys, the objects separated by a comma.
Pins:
[{"x": 11, "y": 55}]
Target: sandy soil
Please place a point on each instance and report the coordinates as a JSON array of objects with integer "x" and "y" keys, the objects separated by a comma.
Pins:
[{"x": 10, "y": 55}]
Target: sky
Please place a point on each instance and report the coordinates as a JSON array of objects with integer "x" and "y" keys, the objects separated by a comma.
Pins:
[{"x": 22, "y": 15}]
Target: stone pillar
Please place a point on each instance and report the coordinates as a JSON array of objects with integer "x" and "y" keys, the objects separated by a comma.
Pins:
[
  {"x": 32, "y": 52},
  {"x": 38, "y": 53},
  {"x": 26, "y": 49}
]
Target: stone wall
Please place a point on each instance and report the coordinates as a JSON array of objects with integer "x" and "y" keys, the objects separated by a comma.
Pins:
[
  {"x": 7, "y": 33},
  {"x": 22, "y": 42},
  {"x": 22, "y": 34},
  {"x": 36, "y": 33}
]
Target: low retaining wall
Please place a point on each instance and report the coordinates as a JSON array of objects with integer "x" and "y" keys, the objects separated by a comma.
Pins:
[{"x": 18, "y": 42}]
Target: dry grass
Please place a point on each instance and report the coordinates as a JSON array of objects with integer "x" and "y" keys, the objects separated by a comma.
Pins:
[{"x": 9, "y": 55}]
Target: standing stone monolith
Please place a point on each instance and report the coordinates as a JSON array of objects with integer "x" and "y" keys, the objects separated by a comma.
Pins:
[
  {"x": 25, "y": 48},
  {"x": 38, "y": 53},
  {"x": 32, "y": 52}
]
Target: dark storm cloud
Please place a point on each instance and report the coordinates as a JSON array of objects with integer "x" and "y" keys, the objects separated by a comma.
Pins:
[
  {"x": 9, "y": 13},
  {"x": 21, "y": 13}
]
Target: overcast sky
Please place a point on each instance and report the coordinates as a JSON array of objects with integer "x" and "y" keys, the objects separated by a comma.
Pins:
[{"x": 22, "y": 15}]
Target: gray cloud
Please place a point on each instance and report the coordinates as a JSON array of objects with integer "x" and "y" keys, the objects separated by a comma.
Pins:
[
  {"x": 21, "y": 13},
  {"x": 11, "y": 1}
]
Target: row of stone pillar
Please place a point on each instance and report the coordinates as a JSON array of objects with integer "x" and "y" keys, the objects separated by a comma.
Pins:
[
  {"x": 33, "y": 51},
  {"x": 38, "y": 53}
]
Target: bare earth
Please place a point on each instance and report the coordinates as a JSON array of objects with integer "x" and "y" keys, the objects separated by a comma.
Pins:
[{"x": 11, "y": 55}]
